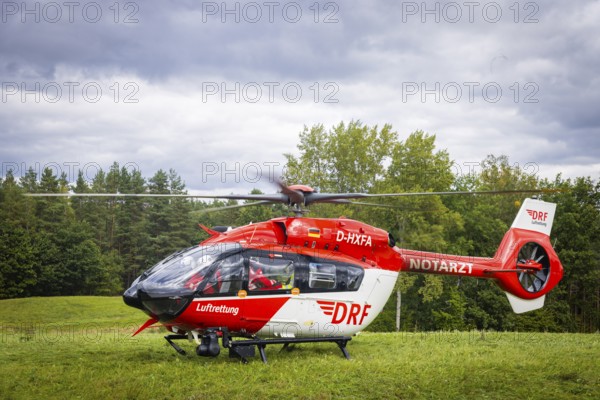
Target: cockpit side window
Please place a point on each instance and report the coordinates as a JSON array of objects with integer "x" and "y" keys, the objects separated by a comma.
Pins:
[
  {"x": 270, "y": 273},
  {"x": 227, "y": 278}
]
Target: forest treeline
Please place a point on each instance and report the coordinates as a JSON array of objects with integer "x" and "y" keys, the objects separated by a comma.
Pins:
[{"x": 98, "y": 245}]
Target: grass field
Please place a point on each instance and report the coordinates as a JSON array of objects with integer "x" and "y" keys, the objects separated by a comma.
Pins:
[{"x": 80, "y": 347}]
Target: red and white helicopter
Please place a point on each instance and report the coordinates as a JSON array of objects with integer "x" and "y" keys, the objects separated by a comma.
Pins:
[{"x": 299, "y": 279}]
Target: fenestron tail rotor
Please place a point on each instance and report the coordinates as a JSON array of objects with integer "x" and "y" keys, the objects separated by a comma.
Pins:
[{"x": 534, "y": 267}]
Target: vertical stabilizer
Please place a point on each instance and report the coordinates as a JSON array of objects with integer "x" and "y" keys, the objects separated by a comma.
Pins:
[{"x": 535, "y": 215}]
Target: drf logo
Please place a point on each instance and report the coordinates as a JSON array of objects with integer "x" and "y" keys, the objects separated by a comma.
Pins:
[
  {"x": 538, "y": 215},
  {"x": 340, "y": 312}
]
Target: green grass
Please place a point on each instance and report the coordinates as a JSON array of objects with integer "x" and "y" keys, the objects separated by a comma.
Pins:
[{"x": 80, "y": 347}]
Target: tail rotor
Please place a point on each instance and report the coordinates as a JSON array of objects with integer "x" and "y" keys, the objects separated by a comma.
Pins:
[{"x": 534, "y": 264}]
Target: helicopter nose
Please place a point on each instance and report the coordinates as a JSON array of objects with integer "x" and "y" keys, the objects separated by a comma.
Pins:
[
  {"x": 131, "y": 298},
  {"x": 163, "y": 308},
  {"x": 133, "y": 301},
  {"x": 157, "y": 302}
]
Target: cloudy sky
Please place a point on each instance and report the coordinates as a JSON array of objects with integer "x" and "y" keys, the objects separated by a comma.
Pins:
[{"x": 219, "y": 90}]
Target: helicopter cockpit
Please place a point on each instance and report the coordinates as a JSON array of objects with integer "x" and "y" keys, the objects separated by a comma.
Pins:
[
  {"x": 167, "y": 288},
  {"x": 227, "y": 269}
]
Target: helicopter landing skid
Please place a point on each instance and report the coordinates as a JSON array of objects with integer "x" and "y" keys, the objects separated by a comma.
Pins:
[
  {"x": 170, "y": 338},
  {"x": 245, "y": 348}
]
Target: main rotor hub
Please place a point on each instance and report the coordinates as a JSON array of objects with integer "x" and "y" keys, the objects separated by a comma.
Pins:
[{"x": 302, "y": 188}]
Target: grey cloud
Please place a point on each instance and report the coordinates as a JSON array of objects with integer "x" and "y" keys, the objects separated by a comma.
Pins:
[{"x": 372, "y": 46}]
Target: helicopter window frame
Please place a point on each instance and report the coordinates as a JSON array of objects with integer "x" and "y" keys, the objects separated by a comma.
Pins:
[
  {"x": 217, "y": 283},
  {"x": 270, "y": 273},
  {"x": 322, "y": 275},
  {"x": 348, "y": 277}
]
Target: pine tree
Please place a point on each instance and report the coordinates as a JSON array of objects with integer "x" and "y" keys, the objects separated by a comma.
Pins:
[{"x": 17, "y": 272}]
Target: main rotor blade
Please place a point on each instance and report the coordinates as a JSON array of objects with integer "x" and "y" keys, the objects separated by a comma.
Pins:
[
  {"x": 359, "y": 203},
  {"x": 330, "y": 197},
  {"x": 276, "y": 197},
  {"x": 213, "y": 209},
  {"x": 362, "y": 203},
  {"x": 291, "y": 196},
  {"x": 464, "y": 192}
]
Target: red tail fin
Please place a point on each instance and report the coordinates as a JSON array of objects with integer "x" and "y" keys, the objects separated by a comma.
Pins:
[{"x": 526, "y": 250}]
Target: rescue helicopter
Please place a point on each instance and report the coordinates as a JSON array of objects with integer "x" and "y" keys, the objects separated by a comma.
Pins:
[{"x": 296, "y": 279}]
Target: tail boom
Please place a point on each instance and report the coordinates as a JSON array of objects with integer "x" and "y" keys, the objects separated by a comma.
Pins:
[{"x": 525, "y": 265}]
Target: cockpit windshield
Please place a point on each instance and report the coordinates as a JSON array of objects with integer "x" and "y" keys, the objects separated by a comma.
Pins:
[{"x": 182, "y": 272}]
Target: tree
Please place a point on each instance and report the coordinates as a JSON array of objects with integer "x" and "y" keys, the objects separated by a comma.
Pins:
[
  {"x": 416, "y": 164},
  {"x": 577, "y": 236},
  {"x": 169, "y": 223},
  {"x": 109, "y": 274},
  {"x": 347, "y": 158},
  {"x": 17, "y": 271},
  {"x": 132, "y": 234}
]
